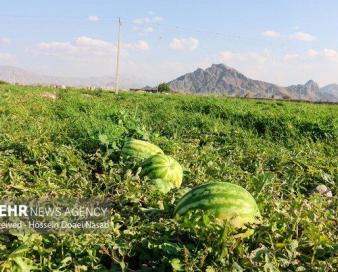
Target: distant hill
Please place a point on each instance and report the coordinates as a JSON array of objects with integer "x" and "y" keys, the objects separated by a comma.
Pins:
[
  {"x": 222, "y": 79},
  {"x": 13, "y": 74},
  {"x": 309, "y": 91},
  {"x": 329, "y": 92},
  {"x": 17, "y": 75},
  {"x": 218, "y": 79}
]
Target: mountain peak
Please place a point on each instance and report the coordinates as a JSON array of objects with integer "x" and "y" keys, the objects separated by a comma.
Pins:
[
  {"x": 219, "y": 78},
  {"x": 222, "y": 79},
  {"x": 221, "y": 66},
  {"x": 311, "y": 83},
  {"x": 221, "y": 69},
  {"x": 312, "y": 86},
  {"x": 309, "y": 90}
]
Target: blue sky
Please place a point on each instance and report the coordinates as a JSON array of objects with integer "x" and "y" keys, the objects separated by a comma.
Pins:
[{"x": 280, "y": 41}]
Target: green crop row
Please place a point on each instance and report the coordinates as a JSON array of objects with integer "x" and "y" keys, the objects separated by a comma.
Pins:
[{"x": 69, "y": 145}]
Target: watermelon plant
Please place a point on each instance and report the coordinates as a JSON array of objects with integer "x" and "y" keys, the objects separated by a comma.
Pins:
[
  {"x": 279, "y": 151},
  {"x": 165, "y": 172}
]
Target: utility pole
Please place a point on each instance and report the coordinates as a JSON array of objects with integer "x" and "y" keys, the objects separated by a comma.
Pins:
[{"x": 117, "y": 75}]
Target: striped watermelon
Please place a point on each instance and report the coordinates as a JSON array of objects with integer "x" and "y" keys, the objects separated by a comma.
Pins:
[
  {"x": 140, "y": 149},
  {"x": 165, "y": 168},
  {"x": 229, "y": 202}
]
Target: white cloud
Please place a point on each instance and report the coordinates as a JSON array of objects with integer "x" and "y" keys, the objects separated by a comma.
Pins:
[
  {"x": 93, "y": 18},
  {"x": 5, "y": 40},
  {"x": 312, "y": 53},
  {"x": 55, "y": 45},
  {"x": 147, "y": 20},
  {"x": 140, "y": 21},
  {"x": 148, "y": 29},
  {"x": 143, "y": 31},
  {"x": 90, "y": 42},
  {"x": 302, "y": 36},
  {"x": 144, "y": 25},
  {"x": 142, "y": 45},
  {"x": 299, "y": 36},
  {"x": 157, "y": 19},
  {"x": 7, "y": 58},
  {"x": 288, "y": 57},
  {"x": 81, "y": 47},
  {"x": 331, "y": 54},
  {"x": 87, "y": 48},
  {"x": 229, "y": 57},
  {"x": 271, "y": 34},
  {"x": 184, "y": 44},
  {"x": 139, "y": 45},
  {"x": 286, "y": 69}
]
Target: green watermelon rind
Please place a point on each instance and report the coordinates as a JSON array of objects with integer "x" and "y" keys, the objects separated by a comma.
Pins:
[
  {"x": 163, "y": 167},
  {"x": 140, "y": 149},
  {"x": 227, "y": 201}
]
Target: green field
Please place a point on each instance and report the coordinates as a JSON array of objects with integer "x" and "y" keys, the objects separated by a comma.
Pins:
[{"x": 70, "y": 146}]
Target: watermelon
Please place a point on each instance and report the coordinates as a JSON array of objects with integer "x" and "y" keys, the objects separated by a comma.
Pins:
[
  {"x": 139, "y": 149},
  {"x": 164, "y": 168},
  {"x": 228, "y": 202}
]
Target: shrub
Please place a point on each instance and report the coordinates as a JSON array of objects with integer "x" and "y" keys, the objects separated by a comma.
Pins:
[
  {"x": 164, "y": 88},
  {"x": 286, "y": 97}
]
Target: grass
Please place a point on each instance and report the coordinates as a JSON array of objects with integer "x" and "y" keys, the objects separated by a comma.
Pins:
[{"x": 70, "y": 146}]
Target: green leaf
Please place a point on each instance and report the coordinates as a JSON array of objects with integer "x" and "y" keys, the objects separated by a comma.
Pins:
[
  {"x": 171, "y": 248},
  {"x": 162, "y": 186},
  {"x": 103, "y": 139},
  {"x": 21, "y": 264},
  {"x": 176, "y": 264}
]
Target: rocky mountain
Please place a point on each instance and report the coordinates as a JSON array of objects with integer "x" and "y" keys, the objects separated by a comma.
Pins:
[
  {"x": 310, "y": 90},
  {"x": 329, "y": 93},
  {"x": 221, "y": 79}
]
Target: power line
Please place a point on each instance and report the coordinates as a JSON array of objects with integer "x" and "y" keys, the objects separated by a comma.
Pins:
[
  {"x": 32, "y": 20},
  {"x": 159, "y": 26}
]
